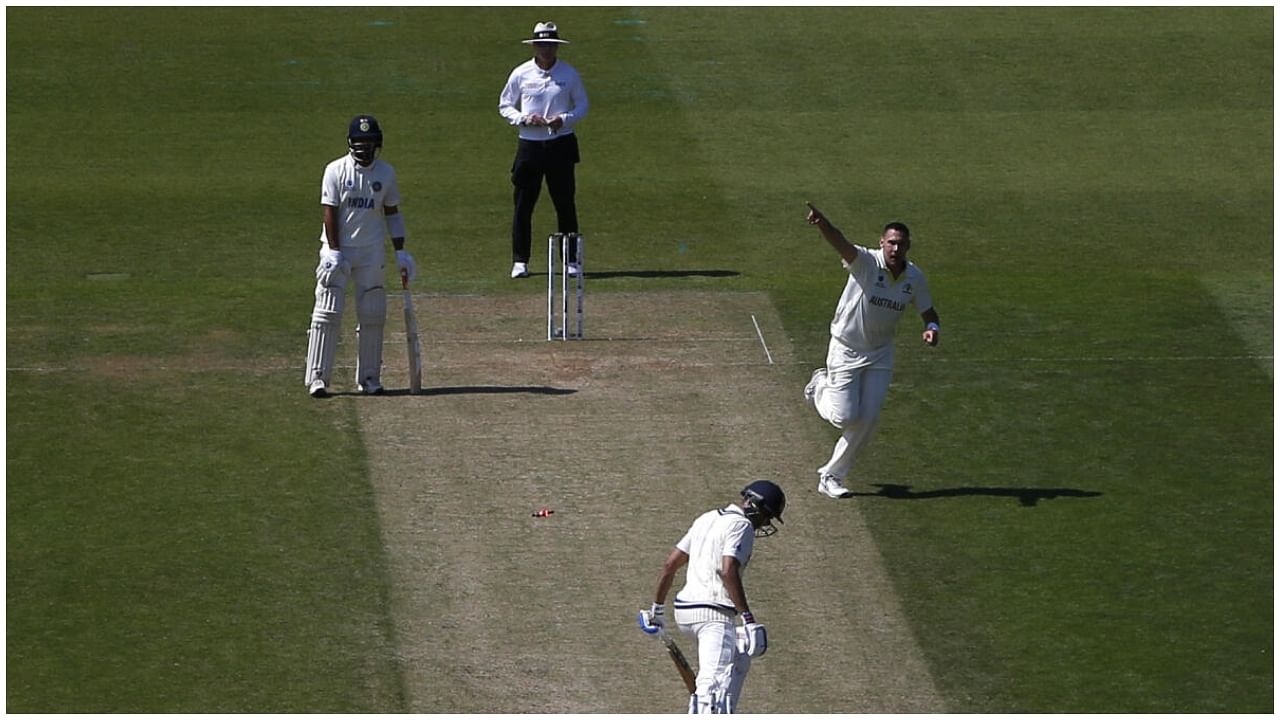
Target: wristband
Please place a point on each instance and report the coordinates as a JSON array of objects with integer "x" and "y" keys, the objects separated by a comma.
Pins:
[
  {"x": 395, "y": 225},
  {"x": 748, "y": 618},
  {"x": 933, "y": 326}
]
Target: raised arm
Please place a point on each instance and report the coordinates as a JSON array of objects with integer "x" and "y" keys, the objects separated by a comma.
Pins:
[{"x": 832, "y": 234}]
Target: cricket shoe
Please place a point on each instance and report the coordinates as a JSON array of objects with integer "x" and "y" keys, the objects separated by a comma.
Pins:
[
  {"x": 317, "y": 389},
  {"x": 371, "y": 387},
  {"x": 519, "y": 270},
  {"x": 575, "y": 269},
  {"x": 833, "y": 487},
  {"x": 811, "y": 390}
]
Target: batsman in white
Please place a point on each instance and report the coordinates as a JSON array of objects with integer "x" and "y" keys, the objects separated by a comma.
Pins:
[
  {"x": 717, "y": 548},
  {"x": 851, "y": 389},
  {"x": 361, "y": 205}
]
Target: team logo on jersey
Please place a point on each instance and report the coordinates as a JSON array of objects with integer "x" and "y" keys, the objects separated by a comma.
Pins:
[
  {"x": 907, "y": 289},
  {"x": 377, "y": 187},
  {"x": 885, "y": 302}
]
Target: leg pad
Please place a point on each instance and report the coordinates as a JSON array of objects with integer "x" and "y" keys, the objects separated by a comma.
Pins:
[{"x": 371, "y": 311}]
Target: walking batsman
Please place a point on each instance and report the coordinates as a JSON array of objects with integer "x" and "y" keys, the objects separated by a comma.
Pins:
[
  {"x": 361, "y": 205},
  {"x": 850, "y": 390},
  {"x": 717, "y": 548},
  {"x": 545, "y": 98}
]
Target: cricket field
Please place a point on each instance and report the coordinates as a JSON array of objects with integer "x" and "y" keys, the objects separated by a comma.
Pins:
[{"x": 1068, "y": 506}]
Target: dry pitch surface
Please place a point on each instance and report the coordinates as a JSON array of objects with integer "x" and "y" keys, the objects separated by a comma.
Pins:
[{"x": 667, "y": 410}]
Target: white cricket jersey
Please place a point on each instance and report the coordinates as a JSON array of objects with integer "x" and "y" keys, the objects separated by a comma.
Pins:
[
  {"x": 712, "y": 536},
  {"x": 557, "y": 92},
  {"x": 872, "y": 303},
  {"x": 360, "y": 193}
]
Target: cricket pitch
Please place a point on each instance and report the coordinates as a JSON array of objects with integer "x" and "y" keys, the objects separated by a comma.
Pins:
[{"x": 671, "y": 405}]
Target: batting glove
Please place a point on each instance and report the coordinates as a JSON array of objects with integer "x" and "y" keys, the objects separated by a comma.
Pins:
[
  {"x": 405, "y": 261},
  {"x": 332, "y": 265},
  {"x": 755, "y": 640},
  {"x": 331, "y": 256},
  {"x": 651, "y": 620}
]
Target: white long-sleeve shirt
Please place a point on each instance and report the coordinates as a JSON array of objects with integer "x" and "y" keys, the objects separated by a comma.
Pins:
[{"x": 553, "y": 93}]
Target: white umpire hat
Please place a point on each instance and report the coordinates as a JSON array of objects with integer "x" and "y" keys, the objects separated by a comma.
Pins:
[{"x": 545, "y": 32}]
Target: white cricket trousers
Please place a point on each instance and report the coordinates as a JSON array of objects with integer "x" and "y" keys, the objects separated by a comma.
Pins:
[
  {"x": 722, "y": 669},
  {"x": 850, "y": 398}
]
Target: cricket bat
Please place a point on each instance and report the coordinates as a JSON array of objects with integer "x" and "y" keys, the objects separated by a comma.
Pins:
[
  {"x": 682, "y": 663},
  {"x": 411, "y": 337}
]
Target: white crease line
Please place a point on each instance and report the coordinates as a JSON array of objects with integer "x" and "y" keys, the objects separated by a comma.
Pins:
[
  {"x": 762, "y": 342},
  {"x": 1000, "y": 362}
]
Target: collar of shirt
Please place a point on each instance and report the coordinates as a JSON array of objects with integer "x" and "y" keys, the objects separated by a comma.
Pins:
[
  {"x": 532, "y": 67},
  {"x": 357, "y": 167}
]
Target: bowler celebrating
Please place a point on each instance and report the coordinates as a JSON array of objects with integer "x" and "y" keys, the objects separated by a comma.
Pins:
[{"x": 850, "y": 390}]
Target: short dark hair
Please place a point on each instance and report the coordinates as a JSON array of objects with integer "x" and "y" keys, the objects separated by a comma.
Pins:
[{"x": 900, "y": 227}]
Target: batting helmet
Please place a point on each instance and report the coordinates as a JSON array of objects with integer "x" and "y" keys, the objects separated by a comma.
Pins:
[
  {"x": 364, "y": 139},
  {"x": 763, "y": 502}
]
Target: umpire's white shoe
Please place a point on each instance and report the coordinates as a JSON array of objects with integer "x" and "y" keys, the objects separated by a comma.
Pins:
[
  {"x": 833, "y": 487},
  {"x": 371, "y": 387},
  {"x": 575, "y": 269},
  {"x": 317, "y": 389},
  {"x": 811, "y": 390},
  {"x": 520, "y": 270}
]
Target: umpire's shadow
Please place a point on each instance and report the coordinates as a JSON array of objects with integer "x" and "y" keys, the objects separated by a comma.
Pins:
[
  {"x": 483, "y": 390},
  {"x": 1027, "y": 497}
]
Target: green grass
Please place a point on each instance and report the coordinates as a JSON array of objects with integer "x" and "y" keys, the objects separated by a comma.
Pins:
[
  {"x": 161, "y": 558},
  {"x": 1092, "y": 195}
]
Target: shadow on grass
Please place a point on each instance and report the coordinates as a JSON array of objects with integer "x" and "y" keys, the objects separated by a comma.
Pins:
[
  {"x": 1027, "y": 497},
  {"x": 468, "y": 390},
  {"x": 656, "y": 274}
]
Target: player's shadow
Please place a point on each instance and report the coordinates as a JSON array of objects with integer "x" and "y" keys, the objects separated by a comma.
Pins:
[
  {"x": 607, "y": 274},
  {"x": 484, "y": 390},
  {"x": 1027, "y": 497}
]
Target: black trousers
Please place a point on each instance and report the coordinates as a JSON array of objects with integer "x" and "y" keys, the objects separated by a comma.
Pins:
[{"x": 554, "y": 161}]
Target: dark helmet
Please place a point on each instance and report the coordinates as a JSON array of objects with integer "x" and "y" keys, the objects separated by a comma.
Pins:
[
  {"x": 763, "y": 502},
  {"x": 364, "y": 139}
]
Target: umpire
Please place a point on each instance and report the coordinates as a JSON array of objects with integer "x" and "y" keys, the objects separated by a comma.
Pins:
[{"x": 545, "y": 98}]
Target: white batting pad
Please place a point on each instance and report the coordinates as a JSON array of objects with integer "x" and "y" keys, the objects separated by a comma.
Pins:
[
  {"x": 322, "y": 339},
  {"x": 371, "y": 310}
]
